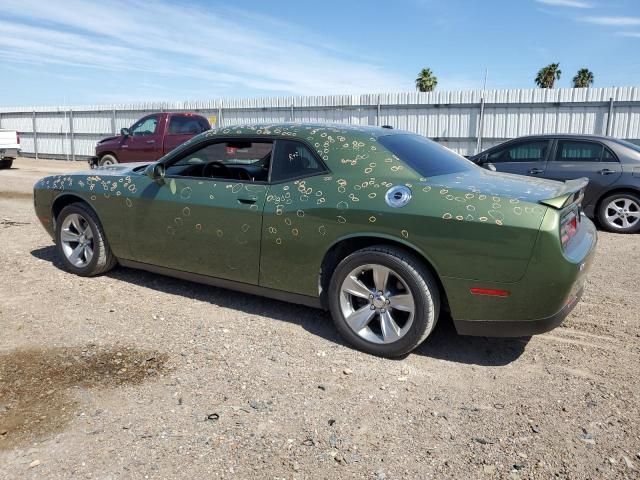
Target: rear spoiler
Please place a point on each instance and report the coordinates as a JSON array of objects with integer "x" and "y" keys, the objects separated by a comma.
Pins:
[{"x": 572, "y": 192}]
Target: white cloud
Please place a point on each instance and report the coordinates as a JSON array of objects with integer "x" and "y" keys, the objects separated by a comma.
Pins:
[
  {"x": 225, "y": 47},
  {"x": 566, "y": 3},
  {"x": 613, "y": 21},
  {"x": 629, "y": 34}
]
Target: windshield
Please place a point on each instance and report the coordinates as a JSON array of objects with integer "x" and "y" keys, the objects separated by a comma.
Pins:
[{"x": 425, "y": 156}]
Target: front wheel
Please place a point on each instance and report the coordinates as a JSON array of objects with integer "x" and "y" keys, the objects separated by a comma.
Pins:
[
  {"x": 81, "y": 243},
  {"x": 620, "y": 213},
  {"x": 384, "y": 301},
  {"x": 107, "y": 160}
]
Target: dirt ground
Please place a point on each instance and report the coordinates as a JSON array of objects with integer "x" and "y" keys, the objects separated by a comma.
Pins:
[{"x": 134, "y": 375}]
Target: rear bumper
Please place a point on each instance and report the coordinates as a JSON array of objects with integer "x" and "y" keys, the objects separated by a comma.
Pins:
[
  {"x": 521, "y": 328},
  {"x": 9, "y": 152}
]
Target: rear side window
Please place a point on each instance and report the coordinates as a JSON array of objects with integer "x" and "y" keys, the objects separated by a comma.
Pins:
[
  {"x": 425, "y": 156},
  {"x": 182, "y": 125},
  {"x": 569, "y": 151},
  {"x": 294, "y": 160},
  {"x": 534, "y": 151}
]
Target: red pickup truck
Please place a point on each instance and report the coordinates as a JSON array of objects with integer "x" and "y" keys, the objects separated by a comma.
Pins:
[{"x": 149, "y": 138}]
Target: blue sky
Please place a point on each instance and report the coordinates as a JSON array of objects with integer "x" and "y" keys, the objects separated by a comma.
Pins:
[{"x": 112, "y": 51}]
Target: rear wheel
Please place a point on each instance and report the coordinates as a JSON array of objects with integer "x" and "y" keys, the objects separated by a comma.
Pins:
[
  {"x": 383, "y": 301},
  {"x": 107, "y": 160},
  {"x": 620, "y": 213},
  {"x": 81, "y": 243},
  {"x": 6, "y": 163}
]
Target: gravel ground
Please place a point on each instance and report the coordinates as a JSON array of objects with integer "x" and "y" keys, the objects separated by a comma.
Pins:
[{"x": 134, "y": 375}]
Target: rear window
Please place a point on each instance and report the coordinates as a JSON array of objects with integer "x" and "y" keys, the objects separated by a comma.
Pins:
[
  {"x": 627, "y": 144},
  {"x": 425, "y": 156},
  {"x": 187, "y": 125}
]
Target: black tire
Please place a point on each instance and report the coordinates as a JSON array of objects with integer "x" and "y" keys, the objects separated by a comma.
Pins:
[
  {"x": 107, "y": 160},
  {"x": 6, "y": 163},
  {"x": 417, "y": 278},
  {"x": 617, "y": 225},
  {"x": 103, "y": 259}
]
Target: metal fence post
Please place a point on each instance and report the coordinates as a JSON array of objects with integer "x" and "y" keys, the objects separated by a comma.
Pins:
[
  {"x": 219, "y": 119},
  {"x": 480, "y": 126},
  {"x": 610, "y": 118},
  {"x": 35, "y": 134},
  {"x": 71, "y": 136},
  {"x": 378, "y": 113},
  {"x": 113, "y": 122},
  {"x": 292, "y": 119}
]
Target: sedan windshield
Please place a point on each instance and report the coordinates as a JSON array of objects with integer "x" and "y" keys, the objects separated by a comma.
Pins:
[{"x": 425, "y": 156}]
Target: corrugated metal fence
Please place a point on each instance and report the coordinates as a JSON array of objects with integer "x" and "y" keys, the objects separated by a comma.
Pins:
[{"x": 464, "y": 121}]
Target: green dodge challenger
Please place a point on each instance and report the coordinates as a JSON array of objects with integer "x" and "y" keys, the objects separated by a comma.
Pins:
[{"x": 384, "y": 228}]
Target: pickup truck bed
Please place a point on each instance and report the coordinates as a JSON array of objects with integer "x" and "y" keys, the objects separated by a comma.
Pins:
[{"x": 9, "y": 147}]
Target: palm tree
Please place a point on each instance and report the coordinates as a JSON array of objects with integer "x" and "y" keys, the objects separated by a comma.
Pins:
[
  {"x": 583, "y": 79},
  {"x": 548, "y": 75},
  {"x": 426, "y": 81}
]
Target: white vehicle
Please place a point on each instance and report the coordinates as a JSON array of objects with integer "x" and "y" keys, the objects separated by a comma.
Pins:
[{"x": 9, "y": 147}]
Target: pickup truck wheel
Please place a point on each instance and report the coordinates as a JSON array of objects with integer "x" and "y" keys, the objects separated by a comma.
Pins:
[
  {"x": 107, "y": 160},
  {"x": 81, "y": 243},
  {"x": 6, "y": 163},
  {"x": 383, "y": 301},
  {"x": 620, "y": 213}
]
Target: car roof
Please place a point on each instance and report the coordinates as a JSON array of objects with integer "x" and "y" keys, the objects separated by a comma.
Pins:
[
  {"x": 583, "y": 136},
  {"x": 269, "y": 129}
]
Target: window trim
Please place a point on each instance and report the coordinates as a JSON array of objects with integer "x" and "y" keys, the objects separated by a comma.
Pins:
[{"x": 176, "y": 155}]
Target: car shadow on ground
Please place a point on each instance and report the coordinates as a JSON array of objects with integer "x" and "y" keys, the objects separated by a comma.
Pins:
[{"x": 444, "y": 343}]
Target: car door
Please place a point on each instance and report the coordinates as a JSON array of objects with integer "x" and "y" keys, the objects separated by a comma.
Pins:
[
  {"x": 584, "y": 158},
  {"x": 299, "y": 215},
  {"x": 202, "y": 217},
  {"x": 145, "y": 142},
  {"x": 525, "y": 157}
]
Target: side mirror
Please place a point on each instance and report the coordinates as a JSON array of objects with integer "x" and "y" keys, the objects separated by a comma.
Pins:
[
  {"x": 155, "y": 172},
  {"x": 125, "y": 132},
  {"x": 490, "y": 166}
]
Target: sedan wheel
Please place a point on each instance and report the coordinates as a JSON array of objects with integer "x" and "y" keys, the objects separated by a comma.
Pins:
[
  {"x": 377, "y": 304},
  {"x": 77, "y": 240},
  {"x": 383, "y": 300},
  {"x": 81, "y": 243},
  {"x": 620, "y": 213}
]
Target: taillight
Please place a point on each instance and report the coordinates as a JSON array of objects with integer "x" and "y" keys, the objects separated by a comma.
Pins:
[{"x": 568, "y": 228}]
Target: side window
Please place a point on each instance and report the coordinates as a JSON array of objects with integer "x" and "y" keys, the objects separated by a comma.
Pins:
[
  {"x": 570, "y": 151},
  {"x": 293, "y": 160},
  {"x": 181, "y": 125},
  {"x": 230, "y": 160},
  {"x": 146, "y": 126},
  {"x": 608, "y": 156},
  {"x": 535, "y": 151}
]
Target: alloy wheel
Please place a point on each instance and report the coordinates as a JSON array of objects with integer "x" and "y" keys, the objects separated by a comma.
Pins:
[
  {"x": 622, "y": 213},
  {"x": 76, "y": 238},
  {"x": 377, "y": 304}
]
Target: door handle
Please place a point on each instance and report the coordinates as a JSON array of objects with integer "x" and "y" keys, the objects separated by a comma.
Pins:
[
  {"x": 606, "y": 171},
  {"x": 151, "y": 141},
  {"x": 247, "y": 201},
  {"x": 534, "y": 171}
]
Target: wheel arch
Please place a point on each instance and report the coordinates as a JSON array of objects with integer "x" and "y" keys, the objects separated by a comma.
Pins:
[
  {"x": 345, "y": 246},
  {"x": 64, "y": 200},
  {"x": 113, "y": 154},
  {"x": 614, "y": 191}
]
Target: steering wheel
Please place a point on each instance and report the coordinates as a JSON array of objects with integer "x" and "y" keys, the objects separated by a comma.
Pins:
[{"x": 218, "y": 170}]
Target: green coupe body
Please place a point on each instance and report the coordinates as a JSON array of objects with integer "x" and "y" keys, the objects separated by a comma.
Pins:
[{"x": 274, "y": 209}]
